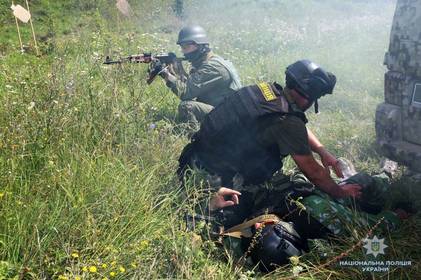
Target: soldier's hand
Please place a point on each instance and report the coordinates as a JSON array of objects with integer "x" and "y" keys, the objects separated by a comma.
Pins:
[
  {"x": 177, "y": 69},
  {"x": 329, "y": 160},
  {"x": 224, "y": 197},
  {"x": 155, "y": 67},
  {"x": 352, "y": 190},
  {"x": 171, "y": 69}
]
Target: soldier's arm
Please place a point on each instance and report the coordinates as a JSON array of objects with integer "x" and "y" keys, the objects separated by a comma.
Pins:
[
  {"x": 321, "y": 178},
  {"x": 173, "y": 82},
  {"x": 326, "y": 157},
  {"x": 207, "y": 78}
]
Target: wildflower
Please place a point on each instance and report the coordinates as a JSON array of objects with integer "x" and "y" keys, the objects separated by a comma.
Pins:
[
  {"x": 84, "y": 269},
  {"x": 294, "y": 260},
  {"x": 112, "y": 273},
  {"x": 62, "y": 277},
  {"x": 1, "y": 194},
  {"x": 31, "y": 105},
  {"x": 144, "y": 244},
  {"x": 296, "y": 270},
  {"x": 75, "y": 255},
  {"x": 78, "y": 278},
  {"x": 104, "y": 265},
  {"x": 93, "y": 269},
  {"x": 152, "y": 126},
  {"x": 122, "y": 269}
]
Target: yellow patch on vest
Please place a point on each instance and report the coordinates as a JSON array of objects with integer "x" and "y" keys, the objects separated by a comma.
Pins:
[{"x": 267, "y": 92}]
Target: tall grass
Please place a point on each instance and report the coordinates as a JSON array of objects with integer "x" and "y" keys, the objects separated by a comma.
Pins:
[{"x": 88, "y": 153}]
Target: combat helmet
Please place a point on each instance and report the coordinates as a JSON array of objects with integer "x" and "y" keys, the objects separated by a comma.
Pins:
[
  {"x": 275, "y": 244},
  {"x": 309, "y": 80},
  {"x": 192, "y": 34}
]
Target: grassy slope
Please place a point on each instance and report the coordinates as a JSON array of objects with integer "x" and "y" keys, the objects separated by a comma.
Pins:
[{"x": 88, "y": 153}]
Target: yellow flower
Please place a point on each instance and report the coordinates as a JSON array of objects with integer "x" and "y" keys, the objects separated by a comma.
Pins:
[
  {"x": 143, "y": 244},
  {"x": 104, "y": 265},
  {"x": 62, "y": 277},
  {"x": 105, "y": 278},
  {"x": 1, "y": 194},
  {"x": 93, "y": 269},
  {"x": 75, "y": 255},
  {"x": 294, "y": 260},
  {"x": 78, "y": 278},
  {"x": 84, "y": 269},
  {"x": 122, "y": 269},
  {"x": 112, "y": 273}
]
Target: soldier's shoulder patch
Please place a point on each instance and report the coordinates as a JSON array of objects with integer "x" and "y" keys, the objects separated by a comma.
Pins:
[{"x": 267, "y": 91}]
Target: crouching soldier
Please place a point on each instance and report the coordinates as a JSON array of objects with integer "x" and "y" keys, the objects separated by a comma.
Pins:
[
  {"x": 210, "y": 80},
  {"x": 245, "y": 138}
]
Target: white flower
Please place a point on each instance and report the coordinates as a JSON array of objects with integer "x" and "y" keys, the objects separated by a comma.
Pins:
[
  {"x": 296, "y": 270},
  {"x": 31, "y": 105}
]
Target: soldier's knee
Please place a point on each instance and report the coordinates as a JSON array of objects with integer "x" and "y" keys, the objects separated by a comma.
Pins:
[
  {"x": 185, "y": 106},
  {"x": 186, "y": 111}
]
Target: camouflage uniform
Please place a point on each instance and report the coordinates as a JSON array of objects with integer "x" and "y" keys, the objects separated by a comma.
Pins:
[
  {"x": 336, "y": 214},
  {"x": 211, "y": 79},
  {"x": 314, "y": 213}
]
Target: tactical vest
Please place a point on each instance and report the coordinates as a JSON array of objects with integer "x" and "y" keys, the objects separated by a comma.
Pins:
[
  {"x": 235, "y": 78},
  {"x": 227, "y": 144}
]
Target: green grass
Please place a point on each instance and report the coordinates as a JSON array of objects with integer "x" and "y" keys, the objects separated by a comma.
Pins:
[{"x": 88, "y": 152}]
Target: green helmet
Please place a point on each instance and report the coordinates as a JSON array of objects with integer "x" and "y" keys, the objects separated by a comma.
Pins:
[{"x": 192, "y": 34}]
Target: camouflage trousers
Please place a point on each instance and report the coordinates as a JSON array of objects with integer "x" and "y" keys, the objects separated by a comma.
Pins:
[{"x": 193, "y": 112}]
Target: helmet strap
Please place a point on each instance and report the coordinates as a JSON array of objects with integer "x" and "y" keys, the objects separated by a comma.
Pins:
[
  {"x": 316, "y": 107},
  {"x": 291, "y": 101}
]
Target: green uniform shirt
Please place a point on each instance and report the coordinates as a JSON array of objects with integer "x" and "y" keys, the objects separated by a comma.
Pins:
[
  {"x": 209, "y": 82},
  {"x": 288, "y": 132}
]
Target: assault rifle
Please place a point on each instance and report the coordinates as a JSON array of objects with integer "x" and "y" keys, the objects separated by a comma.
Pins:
[{"x": 158, "y": 62}]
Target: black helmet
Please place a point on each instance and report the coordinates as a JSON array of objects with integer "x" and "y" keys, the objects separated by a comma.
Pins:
[
  {"x": 309, "y": 80},
  {"x": 275, "y": 244},
  {"x": 192, "y": 33}
]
